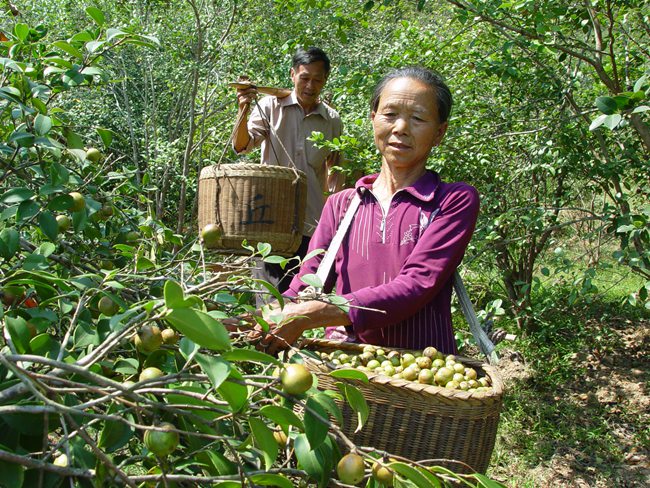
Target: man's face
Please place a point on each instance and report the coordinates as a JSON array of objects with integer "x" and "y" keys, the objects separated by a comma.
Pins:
[{"x": 308, "y": 81}]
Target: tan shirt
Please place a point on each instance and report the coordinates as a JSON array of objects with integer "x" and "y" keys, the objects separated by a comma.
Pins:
[{"x": 288, "y": 142}]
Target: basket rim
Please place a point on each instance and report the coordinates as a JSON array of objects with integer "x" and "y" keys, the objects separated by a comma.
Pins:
[
  {"x": 221, "y": 170},
  {"x": 495, "y": 393}
]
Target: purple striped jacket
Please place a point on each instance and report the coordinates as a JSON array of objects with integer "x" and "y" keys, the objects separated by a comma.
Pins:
[{"x": 400, "y": 264}]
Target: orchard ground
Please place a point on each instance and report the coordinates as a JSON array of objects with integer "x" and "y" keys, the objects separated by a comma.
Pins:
[{"x": 581, "y": 417}]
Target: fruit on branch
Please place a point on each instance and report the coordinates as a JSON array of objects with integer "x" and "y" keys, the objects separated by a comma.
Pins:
[
  {"x": 150, "y": 373},
  {"x": 78, "y": 201},
  {"x": 63, "y": 222},
  {"x": 280, "y": 437},
  {"x": 296, "y": 379},
  {"x": 93, "y": 154},
  {"x": 350, "y": 469},
  {"x": 382, "y": 474},
  {"x": 132, "y": 236},
  {"x": 107, "y": 306},
  {"x": 210, "y": 235},
  {"x": 162, "y": 443},
  {"x": 148, "y": 339},
  {"x": 170, "y": 336},
  {"x": 61, "y": 461}
]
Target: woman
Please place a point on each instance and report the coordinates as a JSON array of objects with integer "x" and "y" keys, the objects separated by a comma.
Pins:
[{"x": 396, "y": 262}]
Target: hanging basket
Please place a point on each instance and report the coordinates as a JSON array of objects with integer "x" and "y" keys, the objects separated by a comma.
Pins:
[
  {"x": 253, "y": 202},
  {"x": 418, "y": 421}
]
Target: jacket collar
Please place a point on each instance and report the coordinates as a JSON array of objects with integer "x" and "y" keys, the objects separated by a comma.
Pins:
[{"x": 423, "y": 189}]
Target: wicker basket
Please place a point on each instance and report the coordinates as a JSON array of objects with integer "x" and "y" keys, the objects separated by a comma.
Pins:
[
  {"x": 259, "y": 203},
  {"x": 416, "y": 421}
]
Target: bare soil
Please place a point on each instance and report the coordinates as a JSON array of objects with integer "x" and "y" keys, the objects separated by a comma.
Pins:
[{"x": 612, "y": 392}]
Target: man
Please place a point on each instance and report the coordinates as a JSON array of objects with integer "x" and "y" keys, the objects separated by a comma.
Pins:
[{"x": 281, "y": 126}]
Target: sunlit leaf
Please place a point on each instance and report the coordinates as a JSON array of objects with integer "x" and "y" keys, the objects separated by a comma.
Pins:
[
  {"x": 357, "y": 402},
  {"x": 97, "y": 15},
  {"x": 282, "y": 416},
  {"x": 316, "y": 423},
  {"x": 200, "y": 328},
  {"x": 264, "y": 440},
  {"x": 216, "y": 368}
]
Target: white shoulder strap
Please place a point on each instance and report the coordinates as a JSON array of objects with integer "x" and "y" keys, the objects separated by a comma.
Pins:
[{"x": 328, "y": 260}]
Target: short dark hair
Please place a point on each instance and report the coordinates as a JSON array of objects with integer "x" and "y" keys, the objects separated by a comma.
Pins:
[
  {"x": 310, "y": 55},
  {"x": 431, "y": 78}
]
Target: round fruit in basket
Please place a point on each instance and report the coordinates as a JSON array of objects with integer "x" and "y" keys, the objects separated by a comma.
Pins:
[{"x": 296, "y": 379}]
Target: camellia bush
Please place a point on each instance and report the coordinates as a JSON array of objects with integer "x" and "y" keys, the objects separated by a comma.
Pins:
[{"x": 116, "y": 368}]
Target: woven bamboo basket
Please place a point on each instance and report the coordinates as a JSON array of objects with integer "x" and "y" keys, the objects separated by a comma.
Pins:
[
  {"x": 419, "y": 422},
  {"x": 259, "y": 203}
]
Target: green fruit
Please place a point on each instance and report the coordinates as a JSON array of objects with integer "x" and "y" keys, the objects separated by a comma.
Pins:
[
  {"x": 78, "y": 201},
  {"x": 430, "y": 352},
  {"x": 210, "y": 235},
  {"x": 350, "y": 469},
  {"x": 93, "y": 154},
  {"x": 296, "y": 379},
  {"x": 107, "y": 264},
  {"x": 410, "y": 374},
  {"x": 164, "y": 442},
  {"x": 373, "y": 364},
  {"x": 470, "y": 373},
  {"x": 63, "y": 222},
  {"x": 169, "y": 336},
  {"x": 107, "y": 306},
  {"x": 382, "y": 475},
  {"x": 148, "y": 339},
  {"x": 150, "y": 373},
  {"x": 106, "y": 211},
  {"x": 443, "y": 376},
  {"x": 423, "y": 362},
  {"x": 425, "y": 376},
  {"x": 132, "y": 236},
  {"x": 407, "y": 359}
]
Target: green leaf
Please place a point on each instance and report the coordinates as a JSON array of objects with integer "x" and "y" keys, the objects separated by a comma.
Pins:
[
  {"x": 328, "y": 403},
  {"x": 13, "y": 475},
  {"x": 48, "y": 225},
  {"x": 252, "y": 355},
  {"x": 115, "y": 434},
  {"x": 612, "y": 121},
  {"x": 606, "y": 105},
  {"x": 16, "y": 195},
  {"x": 315, "y": 428},
  {"x": 357, "y": 402},
  {"x": 26, "y": 210},
  {"x": 598, "y": 121},
  {"x": 264, "y": 440},
  {"x": 9, "y": 242},
  {"x": 42, "y": 124},
  {"x": 235, "y": 394},
  {"x": 174, "y": 296},
  {"x": 21, "y": 31},
  {"x": 106, "y": 135},
  {"x": 414, "y": 474},
  {"x": 351, "y": 374},
  {"x": 144, "y": 264},
  {"x": 19, "y": 333},
  {"x": 69, "y": 49},
  {"x": 485, "y": 482},
  {"x": 97, "y": 15},
  {"x": 282, "y": 416},
  {"x": 269, "y": 479},
  {"x": 217, "y": 369},
  {"x": 200, "y": 327},
  {"x": 312, "y": 280},
  {"x": 317, "y": 463}
]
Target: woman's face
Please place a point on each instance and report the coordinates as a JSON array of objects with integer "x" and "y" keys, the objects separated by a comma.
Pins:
[{"x": 406, "y": 123}]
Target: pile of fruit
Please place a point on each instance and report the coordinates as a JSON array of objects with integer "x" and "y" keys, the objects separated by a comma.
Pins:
[{"x": 429, "y": 366}]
